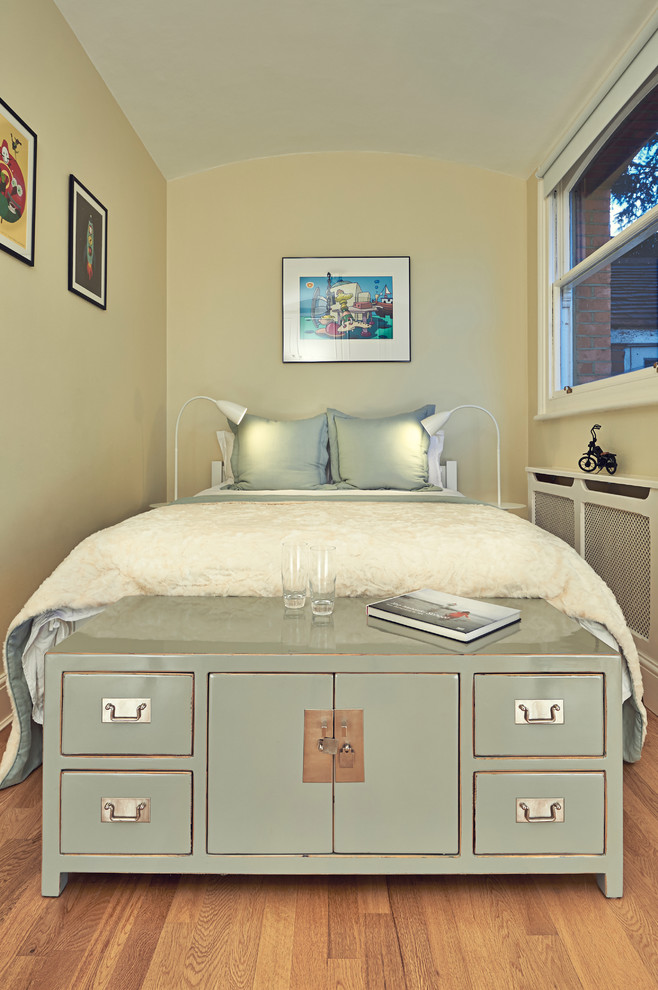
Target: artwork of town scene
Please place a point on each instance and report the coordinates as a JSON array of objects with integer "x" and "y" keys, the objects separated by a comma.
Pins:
[{"x": 358, "y": 308}]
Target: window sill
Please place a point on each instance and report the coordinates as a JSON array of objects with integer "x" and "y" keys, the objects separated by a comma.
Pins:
[{"x": 639, "y": 388}]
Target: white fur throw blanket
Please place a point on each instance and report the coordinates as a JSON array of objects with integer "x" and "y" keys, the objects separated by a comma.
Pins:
[{"x": 383, "y": 548}]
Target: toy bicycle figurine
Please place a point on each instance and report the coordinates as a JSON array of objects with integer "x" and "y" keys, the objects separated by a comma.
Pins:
[{"x": 595, "y": 459}]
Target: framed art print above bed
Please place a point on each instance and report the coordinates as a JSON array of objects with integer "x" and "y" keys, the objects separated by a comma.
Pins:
[{"x": 346, "y": 309}]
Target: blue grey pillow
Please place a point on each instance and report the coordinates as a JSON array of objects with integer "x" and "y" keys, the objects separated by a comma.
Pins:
[
  {"x": 406, "y": 451},
  {"x": 270, "y": 454}
]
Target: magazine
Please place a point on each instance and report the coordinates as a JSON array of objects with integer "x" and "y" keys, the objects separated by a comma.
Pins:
[{"x": 446, "y": 615}]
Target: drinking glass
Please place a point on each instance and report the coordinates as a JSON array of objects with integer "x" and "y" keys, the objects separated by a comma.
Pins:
[
  {"x": 294, "y": 573},
  {"x": 322, "y": 578}
]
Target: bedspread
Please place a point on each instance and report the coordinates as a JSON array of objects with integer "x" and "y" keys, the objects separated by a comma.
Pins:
[{"x": 383, "y": 547}]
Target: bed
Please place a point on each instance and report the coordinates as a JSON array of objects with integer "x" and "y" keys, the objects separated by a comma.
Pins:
[{"x": 372, "y": 486}]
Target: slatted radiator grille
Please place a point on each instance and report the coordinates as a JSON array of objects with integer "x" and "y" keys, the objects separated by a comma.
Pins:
[
  {"x": 613, "y": 523},
  {"x": 555, "y": 514},
  {"x": 617, "y": 544}
]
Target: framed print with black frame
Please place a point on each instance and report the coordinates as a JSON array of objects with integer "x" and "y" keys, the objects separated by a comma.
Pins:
[
  {"x": 346, "y": 309},
  {"x": 87, "y": 245},
  {"x": 18, "y": 176}
]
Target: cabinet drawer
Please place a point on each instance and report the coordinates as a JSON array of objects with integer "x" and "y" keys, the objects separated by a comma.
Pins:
[
  {"x": 539, "y": 715},
  {"x": 539, "y": 813},
  {"x": 161, "y": 826},
  {"x": 127, "y": 714}
]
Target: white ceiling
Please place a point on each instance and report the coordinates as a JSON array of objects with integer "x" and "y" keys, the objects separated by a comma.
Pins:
[{"x": 491, "y": 83}]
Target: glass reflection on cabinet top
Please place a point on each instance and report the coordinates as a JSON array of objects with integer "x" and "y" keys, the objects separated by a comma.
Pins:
[{"x": 166, "y": 625}]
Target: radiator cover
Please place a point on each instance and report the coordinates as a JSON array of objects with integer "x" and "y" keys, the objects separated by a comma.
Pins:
[{"x": 612, "y": 522}]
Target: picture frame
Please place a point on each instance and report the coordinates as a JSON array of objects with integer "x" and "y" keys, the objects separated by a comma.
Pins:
[
  {"x": 18, "y": 178},
  {"x": 87, "y": 244},
  {"x": 346, "y": 309}
]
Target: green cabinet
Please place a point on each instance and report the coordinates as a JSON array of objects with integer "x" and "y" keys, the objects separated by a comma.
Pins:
[{"x": 195, "y": 736}]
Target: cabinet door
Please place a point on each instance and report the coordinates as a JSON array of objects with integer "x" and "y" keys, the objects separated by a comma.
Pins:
[
  {"x": 409, "y": 800},
  {"x": 257, "y": 802}
]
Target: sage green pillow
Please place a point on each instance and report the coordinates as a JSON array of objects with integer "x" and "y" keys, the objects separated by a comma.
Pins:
[
  {"x": 383, "y": 453},
  {"x": 334, "y": 416},
  {"x": 270, "y": 454}
]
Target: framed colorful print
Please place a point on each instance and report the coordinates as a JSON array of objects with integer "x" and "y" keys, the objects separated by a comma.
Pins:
[
  {"x": 18, "y": 175},
  {"x": 346, "y": 309},
  {"x": 87, "y": 245}
]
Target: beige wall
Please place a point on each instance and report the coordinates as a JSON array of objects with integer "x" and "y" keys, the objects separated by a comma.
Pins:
[
  {"x": 83, "y": 390},
  {"x": 630, "y": 433},
  {"x": 465, "y": 232}
]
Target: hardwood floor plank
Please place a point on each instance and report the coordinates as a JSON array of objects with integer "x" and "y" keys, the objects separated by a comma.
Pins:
[
  {"x": 415, "y": 951},
  {"x": 372, "y": 895},
  {"x": 19, "y": 974},
  {"x": 53, "y": 972},
  {"x": 20, "y": 867},
  {"x": 17, "y": 920},
  {"x": 637, "y": 911},
  {"x": 25, "y": 795},
  {"x": 69, "y": 923},
  {"x": 344, "y": 919},
  {"x": 224, "y": 946},
  {"x": 97, "y": 968},
  {"x": 274, "y": 961},
  {"x": 595, "y": 940},
  {"x": 138, "y": 947},
  {"x": 383, "y": 963},
  {"x": 347, "y": 974},
  {"x": 310, "y": 948},
  {"x": 442, "y": 930},
  {"x": 517, "y": 898},
  {"x": 495, "y": 946},
  {"x": 186, "y": 904},
  {"x": 166, "y": 968}
]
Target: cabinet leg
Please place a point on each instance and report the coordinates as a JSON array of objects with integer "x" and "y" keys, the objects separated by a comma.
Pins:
[
  {"x": 52, "y": 884},
  {"x": 611, "y": 883}
]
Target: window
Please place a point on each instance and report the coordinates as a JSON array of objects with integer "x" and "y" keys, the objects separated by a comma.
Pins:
[{"x": 601, "y": 347}]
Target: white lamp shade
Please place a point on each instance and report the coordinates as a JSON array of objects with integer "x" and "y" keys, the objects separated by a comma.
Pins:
[
  {"x": 434, "y": 423},
  {"x": 231, "y": 410}
]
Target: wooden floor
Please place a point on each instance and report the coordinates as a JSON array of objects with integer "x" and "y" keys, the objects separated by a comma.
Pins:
[{"x": 317, "y": 933}]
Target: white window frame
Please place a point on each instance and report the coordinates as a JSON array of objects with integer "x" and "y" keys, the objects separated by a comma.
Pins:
[{"x": 556, "y": 180}]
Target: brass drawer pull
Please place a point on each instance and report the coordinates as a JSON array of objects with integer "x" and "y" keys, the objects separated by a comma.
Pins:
[
  {"x": 141, "y": 707},
  {"x": 526, "y": 711},
  {"x": 108, "y": 810},
  {"x": 556, "y": 810}
]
